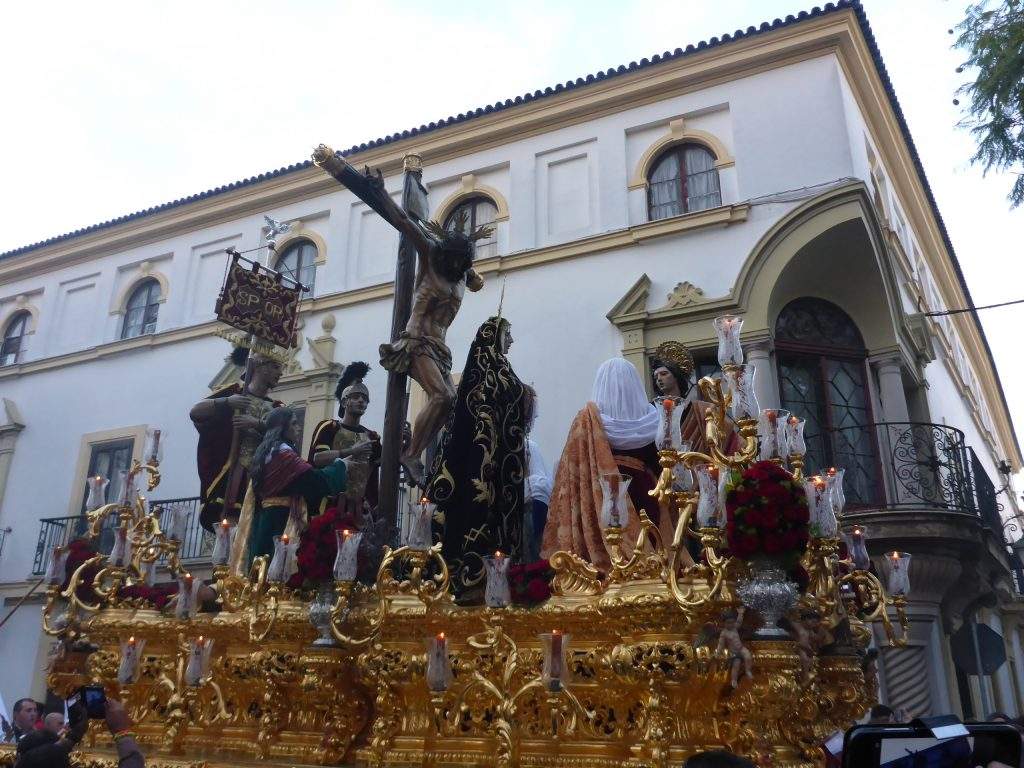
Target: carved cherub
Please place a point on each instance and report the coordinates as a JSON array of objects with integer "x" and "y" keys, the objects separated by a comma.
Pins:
[
  {"x": 810, "y": 636},
  {"x": 740, "y": 657}
]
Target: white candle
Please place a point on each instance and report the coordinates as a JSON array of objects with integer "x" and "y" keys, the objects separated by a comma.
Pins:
[
  {"x": 439, "y": 668},
  {"x": 149, "y": 568},
  {"x": 177, "y": 523},
  {"x": 198, "y": 666},
  {"x": 819, "y": 502},
  {"x": 346, "y": 562},
  {"x": 419, "y": 535},
  {"x": 188, "y": 589},
  {"x": 154, "y": 449},
  {"x": 57, "y": 566},
  {"x": 284, "y": 548},
  {"x": 496, "y": 592},
  {"x": 899, "y": 573},
  {"x": 555, "y": 645},
  {"x": 131, "y": 653},
  {"x": 730, "y": 352},
  {"x": 222, "y": 544},
  {"x": 97, "y": 492}
]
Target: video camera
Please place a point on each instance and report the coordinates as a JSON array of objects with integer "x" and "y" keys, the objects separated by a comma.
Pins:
[{"x": 938, "y": 742}]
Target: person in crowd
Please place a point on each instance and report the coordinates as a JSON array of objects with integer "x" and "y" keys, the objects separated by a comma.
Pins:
[
  {"x": 881, "y": 715},
  {"x": 537, "y": 489},
  {"x": 717, "y": 758},
  {"x": 24, "y": 716},
  {"x": 47, "y": 749},
  {"x": 613, "y": 435},
  {"x": 54, "y": 723},
  {"x": 284, "y": 486}
]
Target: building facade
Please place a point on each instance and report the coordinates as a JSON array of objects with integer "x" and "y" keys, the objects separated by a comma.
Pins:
[{"x": 768, "y": 174}]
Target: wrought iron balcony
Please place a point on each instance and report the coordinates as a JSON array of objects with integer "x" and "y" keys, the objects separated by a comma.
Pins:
[
  {"x": 905, "y": 465},
  {"x": 197, "y": 547}
]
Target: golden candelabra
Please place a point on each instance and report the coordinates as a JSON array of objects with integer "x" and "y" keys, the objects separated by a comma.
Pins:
[{"x": 646, "y": 682}]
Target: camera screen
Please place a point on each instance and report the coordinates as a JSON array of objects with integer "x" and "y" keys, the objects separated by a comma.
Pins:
[
  {"x": 927, "y": 753},
  {"x": 958, "y": 752},
  {"x": 94, "y": 697}
]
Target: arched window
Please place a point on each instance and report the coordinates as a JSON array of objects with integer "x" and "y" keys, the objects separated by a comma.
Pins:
[
  {"x": 822, "y": 366},
  {"x": 142, "y": 309},
  {"x": 682, "y": 179},
  {"x": 478, "y": 211},
  {"x": 299, "y": 263},
  {"x": 13, "y": 349}
]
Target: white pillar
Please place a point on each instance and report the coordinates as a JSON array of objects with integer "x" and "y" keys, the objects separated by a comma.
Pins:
[
  {"x": 1004, "y": 686},
  {"x": 890, "y": 390},
  {"x": 1018, "y": 661},
  {"x": 766, "y": 384}
]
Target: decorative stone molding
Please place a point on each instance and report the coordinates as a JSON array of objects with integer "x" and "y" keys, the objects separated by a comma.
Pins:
[
  {"x": 471, "y": 187},
  {"x": 683, "y": 295},
  {"x": 299, "y": 232},
  {"x": 679, "y": 133}
]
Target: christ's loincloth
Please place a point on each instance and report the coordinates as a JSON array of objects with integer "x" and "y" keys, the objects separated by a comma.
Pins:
[{"x": 397, "y": 357}]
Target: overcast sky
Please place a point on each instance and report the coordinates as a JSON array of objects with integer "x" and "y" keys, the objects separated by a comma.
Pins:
[{"x": 114, "y": 107}]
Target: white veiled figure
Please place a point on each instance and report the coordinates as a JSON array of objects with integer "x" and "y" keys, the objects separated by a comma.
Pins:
[{"x": 630, "y": 420}]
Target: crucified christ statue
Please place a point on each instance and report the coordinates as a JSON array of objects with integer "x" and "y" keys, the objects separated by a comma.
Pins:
[{"x": 444, "y": 272}]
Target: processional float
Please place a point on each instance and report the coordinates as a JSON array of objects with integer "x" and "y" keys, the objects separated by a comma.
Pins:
[{"x": 629, "y": 667}]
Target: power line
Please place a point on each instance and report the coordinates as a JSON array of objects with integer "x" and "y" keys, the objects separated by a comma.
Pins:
[{"x": 972, "y": 309}]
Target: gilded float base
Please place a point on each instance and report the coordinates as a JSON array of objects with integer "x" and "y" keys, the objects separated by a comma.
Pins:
[{"x": 645, "y": 688}]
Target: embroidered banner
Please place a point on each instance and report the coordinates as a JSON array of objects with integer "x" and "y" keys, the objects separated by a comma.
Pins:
[{"x": 255, "y": 300}]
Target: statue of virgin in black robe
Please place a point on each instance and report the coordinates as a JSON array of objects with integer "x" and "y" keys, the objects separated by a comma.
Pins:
[{"x": 477, "y": 477}]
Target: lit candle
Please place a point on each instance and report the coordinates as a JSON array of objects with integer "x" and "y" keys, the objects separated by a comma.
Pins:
[
  {"x": 739, "y": 382},
  {"x": 97, "y": 492},
  {"x": 198, "y": 666},
  {"x": 278, "y": 570},
  {"x": 496, "y": 591},
  {"x": 835, "y": 482},
  {"x": 149, "y": 568},
  {"x": 858, "y": 549},
  {"x": 823, "y": 520},
  {"x": 346, "y": 563},
  {"x": 439, "y": 667},
  {"x": 187, "y": 589},
  {"x": 222, "y": 545},
  {"x": 555, "y": 646},
  {"x": 669, "y": 436},
  {"x": 131, "y": 652},
  {"x": 899, "y": 573}
]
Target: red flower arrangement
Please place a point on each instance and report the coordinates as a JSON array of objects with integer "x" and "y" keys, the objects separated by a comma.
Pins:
[
  {"x": 158, "y": 595},
  {"x": 766, "y": 515},
  {"x": 318, "y": 548},
  {"x": 530, "y": 584}
]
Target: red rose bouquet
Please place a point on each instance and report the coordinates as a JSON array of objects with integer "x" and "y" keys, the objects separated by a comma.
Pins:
[
  {"x": 530, "y": 584},
  {"x": 766, "y": 515},
  {"x": 318, "y": 548}
]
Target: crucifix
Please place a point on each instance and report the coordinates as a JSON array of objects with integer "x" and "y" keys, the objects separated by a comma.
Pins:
[{"x": 428, "y": 294}]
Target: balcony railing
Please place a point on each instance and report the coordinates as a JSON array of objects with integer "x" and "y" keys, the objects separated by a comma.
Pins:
[
  {"x": 61, "y": 531},
  {"x": 905, "y": 465}
]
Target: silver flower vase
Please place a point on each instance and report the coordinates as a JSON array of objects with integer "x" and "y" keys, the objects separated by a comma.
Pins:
[
  {"x": 320, "y": 614},
  {"x": 769, "y": 593}
]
